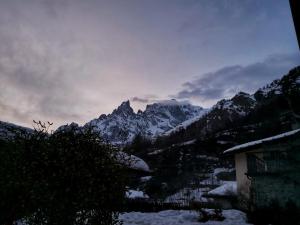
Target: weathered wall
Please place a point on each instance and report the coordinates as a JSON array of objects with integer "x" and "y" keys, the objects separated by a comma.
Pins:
[
  {"x": 243, "y": 183},
  {"x": 282, "y": 182}
]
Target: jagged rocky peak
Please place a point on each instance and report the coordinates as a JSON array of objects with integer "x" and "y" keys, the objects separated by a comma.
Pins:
[
  {"x": 280, "y": 86},
  {"x": 291, "y": 80},
  {"x": 123, "y": 124},
  {"x": 174, "y": 111},
  {"x": 172, "y": 106},
  {"x": 243, "y": 98},
  {"x": 68, "y": 127},
  {"x": 242, "y": 94},
  {"x": 102, "y": 117},
  {"x": 241, "y": 104},
  {"x": 269, "y": 90},
  {"x": 124, "y": 109},
  {"x": 167, "y": 103}
]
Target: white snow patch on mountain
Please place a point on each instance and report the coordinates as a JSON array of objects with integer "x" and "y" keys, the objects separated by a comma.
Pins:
[
  {"x": 188, "y": 122},
  {"x": 123, "y": 124}
]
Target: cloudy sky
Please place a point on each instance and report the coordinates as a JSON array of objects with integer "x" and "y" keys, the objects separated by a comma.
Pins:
[{"x": 72, "y": 60}]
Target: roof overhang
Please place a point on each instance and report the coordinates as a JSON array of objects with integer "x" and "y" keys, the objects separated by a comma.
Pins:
[{"x": 254, "y": 144}]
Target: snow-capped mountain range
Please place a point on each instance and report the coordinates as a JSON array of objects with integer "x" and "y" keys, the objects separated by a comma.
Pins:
[
  {"x": 239, "y": 106},
  {"x": 123, "y": 124},
  {"x": 10, "y": 130},
  {"x": 167, "y": 117}
]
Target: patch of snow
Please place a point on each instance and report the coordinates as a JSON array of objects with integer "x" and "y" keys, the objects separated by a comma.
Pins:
[
  {"x": 186, "y": 143},
  {"x": 186, "y": 195},
  {"x": 145, "y": 179},
  {"x": 220, "y": 170},
  {"x": 132, "y": 194},
  {"x": 227, "y": 188},
  {"x": 188, "y": 122},
  {"x": 156, "y": 152},
  {"x": 132, "y": 162},
  {"x": 222, "y": 142},
  {"x": 274, "y": 87},
  {"x": 253, "y": 143},
  {"x": 123, "y": 124},
  {"x": 207, "y": 157},
  {"x": 179, "y": 217}
]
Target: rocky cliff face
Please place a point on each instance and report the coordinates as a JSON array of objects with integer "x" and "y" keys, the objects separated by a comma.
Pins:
[
  {"x": 280, "y": 97},
  {"x": 123, "y": 124},
  {"x": 9, "y": 130}
]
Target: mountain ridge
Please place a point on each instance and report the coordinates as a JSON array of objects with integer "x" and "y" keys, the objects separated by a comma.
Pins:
[
  {"x": 171, "y": 117},
  {"x": 123, "y": 124}
]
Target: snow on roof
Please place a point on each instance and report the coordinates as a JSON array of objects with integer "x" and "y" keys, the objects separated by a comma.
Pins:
[
  {"x": 139, "y": 164},
  {"x": 133, "y": 162},
  {"x": 228, "y": 188},
  {"x": 257, "y": 142}
]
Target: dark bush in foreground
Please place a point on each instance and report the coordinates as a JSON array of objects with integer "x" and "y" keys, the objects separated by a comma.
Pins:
[
  {"x": 69, "y": 177},
  {"x": 276, "y": 215}
]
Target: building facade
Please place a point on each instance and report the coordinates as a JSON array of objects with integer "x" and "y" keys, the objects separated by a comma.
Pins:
[{"x": 268, "y": 171}]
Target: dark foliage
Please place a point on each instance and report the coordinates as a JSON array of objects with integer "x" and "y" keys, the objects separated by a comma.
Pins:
[
  {"x": 206, "y": 215},
  {"x": 276, "y": 214},
  {"x": 138, "y": 145},
  {"x": 69, "y": 177},
  {"x": 142, "y": 205}
]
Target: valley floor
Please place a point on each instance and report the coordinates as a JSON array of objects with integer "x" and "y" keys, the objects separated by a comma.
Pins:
[{"x": 182, "y": 217}]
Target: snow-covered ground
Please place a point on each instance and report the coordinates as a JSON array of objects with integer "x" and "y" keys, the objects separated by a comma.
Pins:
[
  {"x": 221, "y": 170},
  {"x": 227, "y": 188},
  {"x": 135, "y": 194},
  {"x": 186, "y": 195},
  {"x": 176, "y": 217},
  {"x": 145, "y": 179}
]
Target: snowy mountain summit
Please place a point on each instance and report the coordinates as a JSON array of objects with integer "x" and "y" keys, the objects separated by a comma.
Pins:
[{"x": 123, "y": 124}]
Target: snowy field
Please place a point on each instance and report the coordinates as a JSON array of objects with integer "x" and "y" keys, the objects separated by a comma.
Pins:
[{"x": 180, "y": 217}]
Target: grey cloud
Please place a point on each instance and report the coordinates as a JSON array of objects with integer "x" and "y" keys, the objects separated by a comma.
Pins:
[
  {"x": 73, "y": 60},
  {"x": 141, "y": 100},
  {"x": 34, "y": 81},
  {"x": 14, "y": 113},
  {"x": 145, "y": 99},
  {"x": 229, "y": 80}
]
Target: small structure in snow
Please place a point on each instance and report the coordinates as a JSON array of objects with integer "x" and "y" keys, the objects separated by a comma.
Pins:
[{"x": 268, "y": 170}]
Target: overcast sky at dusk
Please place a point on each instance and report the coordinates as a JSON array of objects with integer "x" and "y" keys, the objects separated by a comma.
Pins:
[{"x": 72, "y": 60}]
